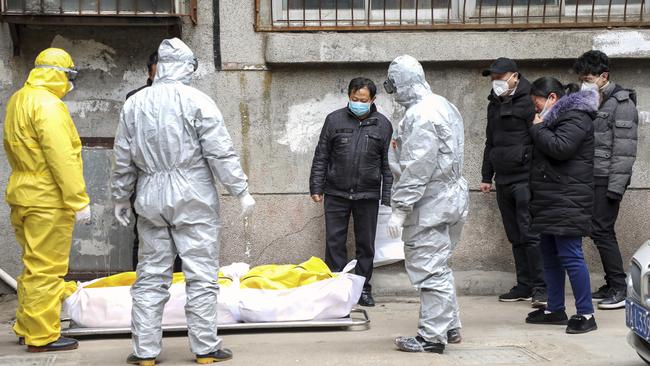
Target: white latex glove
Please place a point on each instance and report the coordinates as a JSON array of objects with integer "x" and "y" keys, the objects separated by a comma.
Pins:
[
  {"x": 123, "y": 213},
  {"x": 247, "y": 204},
  {"x": 395, "y": 223},
  {"x": 83, "y": 216}
]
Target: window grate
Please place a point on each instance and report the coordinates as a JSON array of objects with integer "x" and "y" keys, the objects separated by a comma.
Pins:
[
  {"x": 347, "y": 15},
  {"x": 96, "y": 7}
]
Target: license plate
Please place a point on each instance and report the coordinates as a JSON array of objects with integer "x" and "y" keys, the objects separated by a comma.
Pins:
[{"x": 637, "y": 318}]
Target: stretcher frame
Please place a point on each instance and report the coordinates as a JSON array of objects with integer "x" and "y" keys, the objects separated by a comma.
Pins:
[{"x": 357, "y": 318}]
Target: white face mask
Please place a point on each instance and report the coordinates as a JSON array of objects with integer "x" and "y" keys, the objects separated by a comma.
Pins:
[
  {"x": 543, "y": 112},
  {"x": 70, "y": 86},
  {"x": 501, "y": 87},
  {"x": 593, "y": 85},
  {"x": 589, "y": 86}
]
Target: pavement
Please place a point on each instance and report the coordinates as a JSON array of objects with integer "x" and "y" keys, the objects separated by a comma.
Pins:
[{"x": 493, "y": 334}]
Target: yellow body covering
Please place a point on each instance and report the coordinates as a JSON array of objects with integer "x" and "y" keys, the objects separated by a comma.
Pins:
[
  {"x": 45, "y": 190},
  {"x": 279, "y": 277},
  {"x": 269, "y": 277},
  {"x": 128, "y": 278}
]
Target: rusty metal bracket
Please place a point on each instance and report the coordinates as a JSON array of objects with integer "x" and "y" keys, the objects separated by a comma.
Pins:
[{"x": 194, "y": 11}]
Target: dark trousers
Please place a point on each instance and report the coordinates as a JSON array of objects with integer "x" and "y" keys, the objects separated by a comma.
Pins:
[
  {"x": 563, "y": 255},
  {"x": 513, "y": 202},
  {"x": 178, "y": 265},
  {"x": 337, "y": 219},
  {"x": 605, "y": 213}
]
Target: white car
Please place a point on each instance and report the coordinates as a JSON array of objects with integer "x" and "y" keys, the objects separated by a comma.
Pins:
[{"x": 637, "y": 304}]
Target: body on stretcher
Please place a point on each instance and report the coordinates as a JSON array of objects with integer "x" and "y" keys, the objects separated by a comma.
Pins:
[{"x": 264, "y": 294}]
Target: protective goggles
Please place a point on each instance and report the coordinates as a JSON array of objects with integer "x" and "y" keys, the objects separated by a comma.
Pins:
[
  {"x": 71, "y": 73},
  {"x": 389, "y": 86}
]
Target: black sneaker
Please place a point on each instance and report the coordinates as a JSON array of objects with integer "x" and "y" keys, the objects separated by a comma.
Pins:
[
  {"x": 580, "y": 324},
  {"x": 615, "y": 301},
  {"x": 418, "y": 344},
  {"x": 61, "y": 344},
  {"x": 366, "y": 299},
  {"x": 516, "y": 293},
  {"x": 223, "y": 354},
  {"x": 540, "y": 316},
  {"x": 540, "y": 298},
  {"x": 602, "y": 293},
  {"x": 453, "y": 336},
  {"x": 135, "y": 360}
]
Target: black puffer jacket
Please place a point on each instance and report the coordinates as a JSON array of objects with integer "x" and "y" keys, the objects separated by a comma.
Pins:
[
  {"x": 508, "y": 146},
  {"x": 562, "y": 178},
  {"x": 616, "y": 132},
  {"x": 351, "y": 158}
]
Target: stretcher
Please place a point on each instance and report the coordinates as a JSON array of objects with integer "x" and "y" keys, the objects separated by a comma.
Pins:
[
  {"x": 358, "y": 319},
  {"x": 307, "y": 295}
]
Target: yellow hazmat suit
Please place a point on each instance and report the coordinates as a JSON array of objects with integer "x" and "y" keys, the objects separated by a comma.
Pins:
[{"x": 45, "y": 190}]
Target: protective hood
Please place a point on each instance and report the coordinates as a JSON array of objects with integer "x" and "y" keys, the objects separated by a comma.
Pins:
[
  {"x": 407, "y": 75},
  {"x": 176, "y": 62},
  {"x": 53, "y": 80}
]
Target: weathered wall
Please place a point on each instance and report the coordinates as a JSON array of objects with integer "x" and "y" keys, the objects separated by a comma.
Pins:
[{"x": 275, "y": 90}]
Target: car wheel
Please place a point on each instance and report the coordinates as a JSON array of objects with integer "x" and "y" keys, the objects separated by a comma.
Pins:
[{"x": 643, "y": 358}]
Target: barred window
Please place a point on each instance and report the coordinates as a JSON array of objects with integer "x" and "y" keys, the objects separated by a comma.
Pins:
[
  {"x": 447, "y": 14},
  {"x": 96, "y": 7}
]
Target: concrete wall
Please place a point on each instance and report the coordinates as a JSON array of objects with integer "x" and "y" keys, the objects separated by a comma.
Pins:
[{"x": 275, "y": 90}]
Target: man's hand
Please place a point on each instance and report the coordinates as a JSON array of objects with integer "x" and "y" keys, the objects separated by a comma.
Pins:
[
  {"x": 395, "y": 223},
  {"x": 83, "y": 216},
  {"x": 485, "y": 187},
  {"x": 538, "y": 119},
  {"x": 317, "y": 198},
  {"x": 614, "y": 196},
  {"x": 247, "y": 203},
  {"x": 123, "y": 213}
]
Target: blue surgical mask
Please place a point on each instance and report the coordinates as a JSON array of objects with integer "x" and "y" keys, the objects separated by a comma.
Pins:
[{"x": 358, "y": 108}]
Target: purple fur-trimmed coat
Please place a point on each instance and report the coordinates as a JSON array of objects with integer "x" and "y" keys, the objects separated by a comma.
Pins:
[{"x": 562, "y": 177}]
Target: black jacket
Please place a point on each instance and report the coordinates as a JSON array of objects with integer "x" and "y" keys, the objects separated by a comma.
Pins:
[
  {"x": 351, "y": 158},
  {"x": 149, "y": 82},
  {"x": 562, "y": 178},
  {"x": 616, "y": 133},
  {"x": 508, "y": 146}
]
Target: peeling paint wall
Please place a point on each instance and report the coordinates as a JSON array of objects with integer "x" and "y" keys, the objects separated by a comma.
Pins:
[
  {"x": 623, "y": 43},
  {"x": 87, "y": 54}
]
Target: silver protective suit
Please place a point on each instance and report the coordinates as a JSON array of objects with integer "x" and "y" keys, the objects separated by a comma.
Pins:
[
  {"x": 172, "y": 140},
  {"x": 432, "y": 190}
]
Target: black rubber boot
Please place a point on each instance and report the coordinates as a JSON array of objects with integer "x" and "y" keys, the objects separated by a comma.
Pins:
[
  {"x": 418, "y": 344},
  {"x": 61, "y": 344},
  {"x": 453, "y": 336},
  {"x": 223, "y": 354},
  {"x": 135, "y": 360}
]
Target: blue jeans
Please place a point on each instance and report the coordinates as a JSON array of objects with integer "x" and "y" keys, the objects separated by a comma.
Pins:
[{"x": 563, "y": 254}]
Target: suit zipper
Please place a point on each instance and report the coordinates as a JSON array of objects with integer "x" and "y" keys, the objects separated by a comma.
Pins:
[{"x": 356, "y": 160}]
